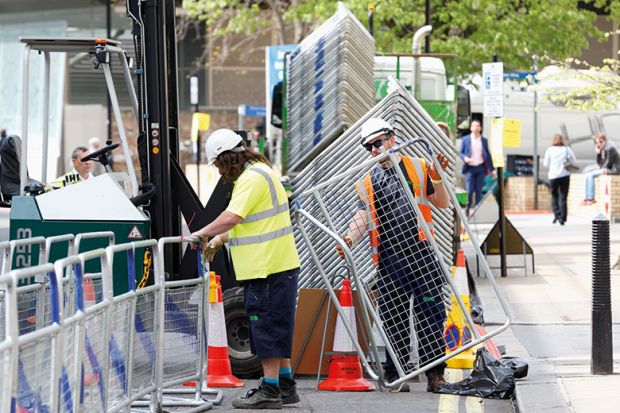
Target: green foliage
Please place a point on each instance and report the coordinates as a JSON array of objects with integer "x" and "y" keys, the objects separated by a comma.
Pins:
[
  {"x": 473, "y": 30},
  {"x": 599, "y": 85}
]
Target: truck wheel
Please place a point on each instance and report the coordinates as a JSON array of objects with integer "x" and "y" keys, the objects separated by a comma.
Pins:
[{"x": 244, "y": 363}]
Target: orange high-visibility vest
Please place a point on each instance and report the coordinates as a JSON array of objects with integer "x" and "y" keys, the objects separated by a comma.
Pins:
[{"x": 415, "y": 168}]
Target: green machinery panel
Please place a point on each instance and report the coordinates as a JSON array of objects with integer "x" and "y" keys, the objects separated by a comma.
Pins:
[{"x": 26, "y": 222}]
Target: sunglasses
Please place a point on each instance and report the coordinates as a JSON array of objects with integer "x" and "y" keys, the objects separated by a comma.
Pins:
[{"x": 375, "y": 144}]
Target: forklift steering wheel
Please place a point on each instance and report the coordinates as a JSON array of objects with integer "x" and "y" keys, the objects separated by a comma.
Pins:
[{"x": 101, "y": 154}]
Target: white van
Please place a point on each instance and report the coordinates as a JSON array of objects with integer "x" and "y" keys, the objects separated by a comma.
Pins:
[{"x": 578, "y": 127}]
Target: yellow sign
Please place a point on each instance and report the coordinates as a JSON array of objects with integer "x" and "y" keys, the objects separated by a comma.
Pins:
[
  {"x": 512, "y": 133},
  {"x": 496, "y": 142},
  {"x": 504, "y": 132},
  {"x": 200, "y": 122}
]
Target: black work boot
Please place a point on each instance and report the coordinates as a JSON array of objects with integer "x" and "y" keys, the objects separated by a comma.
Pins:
[
  {"x": 289, "y": 391},
  {"x": 265, "y": 396},
  {"x": 435, "y": 380}
]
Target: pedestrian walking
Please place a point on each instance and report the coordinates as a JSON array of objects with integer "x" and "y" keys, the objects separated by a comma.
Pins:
[
  {"x": 477, "y": 162},
  {"x": 408, "y": 269},
  {"x": 557, "y": 160},
  {"x": 257, "y": 226}
]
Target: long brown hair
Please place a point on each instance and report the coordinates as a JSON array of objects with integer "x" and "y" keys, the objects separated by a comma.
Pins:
[{"x": 231, "y": 164}]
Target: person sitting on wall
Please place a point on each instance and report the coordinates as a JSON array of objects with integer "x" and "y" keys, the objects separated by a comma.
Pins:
[
  {"x": 608, "y": 161},
  {"x": 81, "y": 171}
]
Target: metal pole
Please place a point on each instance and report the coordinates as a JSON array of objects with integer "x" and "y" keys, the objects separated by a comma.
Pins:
[
  {"x": 240, "y": 117},
  {"x": 536, "y": 172},
  {"x": 371, "y": 19},
  {"x": 427, "y": 22},
  {"x": 46, "y": 113},
  {"x": 502, "y": 215},
  {"x": 23, "y": 165},
  {"x": 198, "y": 154},
  {"x": 602, "y": 342},
  {"x": 108, "y": 33},
  {"x": 194, "y": 100}
]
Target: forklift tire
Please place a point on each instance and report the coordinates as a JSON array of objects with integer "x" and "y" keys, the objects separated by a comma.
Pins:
[{"x": 244, "y": 364}]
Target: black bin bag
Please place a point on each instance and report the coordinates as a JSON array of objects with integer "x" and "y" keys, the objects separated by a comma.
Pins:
[{"x": 489, "y": 379}]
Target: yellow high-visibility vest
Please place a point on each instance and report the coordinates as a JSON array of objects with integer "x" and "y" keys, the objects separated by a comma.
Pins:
[{"x": 263, "y": 243}]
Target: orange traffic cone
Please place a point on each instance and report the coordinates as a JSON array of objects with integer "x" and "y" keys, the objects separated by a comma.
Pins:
[
  {"x": 489, "y": 344},
  {"x": 345, "y": 370},
  {"x": 457, "y": 333},
  {"x": 219, "y": 369}
]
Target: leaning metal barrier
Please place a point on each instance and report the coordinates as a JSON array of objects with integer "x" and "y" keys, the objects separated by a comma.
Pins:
[
  {"x": 336, "y": 206},
  {"x": 409, "y": 120}
]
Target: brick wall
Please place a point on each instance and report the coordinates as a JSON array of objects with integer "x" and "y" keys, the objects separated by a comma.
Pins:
[
  {"x": 607, "y": 196},
  {"x": 519, "y": 195}
]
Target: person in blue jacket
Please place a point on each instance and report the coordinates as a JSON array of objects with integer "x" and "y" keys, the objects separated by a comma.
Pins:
[{"x": 477, "y": 162}]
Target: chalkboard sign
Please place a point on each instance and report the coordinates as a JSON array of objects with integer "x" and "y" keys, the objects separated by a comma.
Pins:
[{"x": 520, "y": 165}]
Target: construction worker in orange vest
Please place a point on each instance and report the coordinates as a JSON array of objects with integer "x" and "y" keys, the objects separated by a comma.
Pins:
[{"x": 407, "y": 266}]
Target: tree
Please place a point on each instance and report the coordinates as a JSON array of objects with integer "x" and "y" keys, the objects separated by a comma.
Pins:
[
  {"x": 593, "y": 87},
  {"x": 473, "y": 30},
  {"x": 596, "y": 87}
]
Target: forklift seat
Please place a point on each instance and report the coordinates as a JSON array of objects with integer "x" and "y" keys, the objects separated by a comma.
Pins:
[{"x": 10, "y": 151}]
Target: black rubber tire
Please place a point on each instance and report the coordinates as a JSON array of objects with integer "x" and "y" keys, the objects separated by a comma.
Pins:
[{"x": 244, "y": 364}]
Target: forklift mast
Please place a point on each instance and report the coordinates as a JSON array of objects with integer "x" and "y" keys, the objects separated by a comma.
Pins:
[
  {"x": 166, "y": 194},
  {"x": 157, "y": 109}
]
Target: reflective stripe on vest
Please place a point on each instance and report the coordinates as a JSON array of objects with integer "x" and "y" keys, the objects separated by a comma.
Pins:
[
  {"x": 269, "y": 213},
  {"x": 257, "y": 239},
  {"x": 367, "y": 194},
  {"x": 277, "y": 209},
  {"x": 421, "y": 198},
  {"x": 414, "y": 168}
]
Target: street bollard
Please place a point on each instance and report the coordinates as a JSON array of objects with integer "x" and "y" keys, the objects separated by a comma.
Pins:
[{"x": 602, "y": 351}]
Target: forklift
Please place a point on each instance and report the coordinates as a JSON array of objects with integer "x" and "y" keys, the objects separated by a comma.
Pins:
[{"x": 163, "y": 200}]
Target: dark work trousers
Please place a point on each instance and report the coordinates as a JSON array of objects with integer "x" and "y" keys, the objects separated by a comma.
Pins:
[
  {"x": 474, "y": 179},
  {"x": 559, "y": 194},
  {"x": 402, "y": 277}
]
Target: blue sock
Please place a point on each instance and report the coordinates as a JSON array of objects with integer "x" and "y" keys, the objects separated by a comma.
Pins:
[
  {"x": 286, "y": 373},
  {"x": 272, "y": 382}
]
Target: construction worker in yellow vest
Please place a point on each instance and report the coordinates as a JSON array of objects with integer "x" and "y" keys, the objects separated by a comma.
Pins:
[
  {"x": 408, "y": 270},
  {"x": 257, "y": 226}
]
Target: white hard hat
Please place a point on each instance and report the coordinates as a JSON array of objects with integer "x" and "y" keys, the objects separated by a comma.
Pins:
[
  {"x": 374, "y": 127},
  {"x": 222, "y": 140}
]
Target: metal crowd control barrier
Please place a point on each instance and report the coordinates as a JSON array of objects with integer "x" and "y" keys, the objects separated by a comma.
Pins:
[
  {"x": 410, "y": 276},
  {"x": 109, "y": 235},
  {"x": 329, "y": 85},
  {"x": 134, "y": 341},
  {"x": 36, "y": 368},
  {"x": 68, "y": 345},
  {"x": 85, "y": 335},
  {"x": 409, "y": 120},
  {"x": 182, "y": 334},
  {"x": 8, "y": 342}
]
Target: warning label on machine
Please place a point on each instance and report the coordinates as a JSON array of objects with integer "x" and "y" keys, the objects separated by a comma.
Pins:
[{"x": 134, "y": 233}]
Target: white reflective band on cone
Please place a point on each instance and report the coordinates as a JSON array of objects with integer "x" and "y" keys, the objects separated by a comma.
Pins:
[
  {"x": 217, "y": 326},
  {"x": 460, "y": 280},
  {"x": 342, "y": 341}
]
